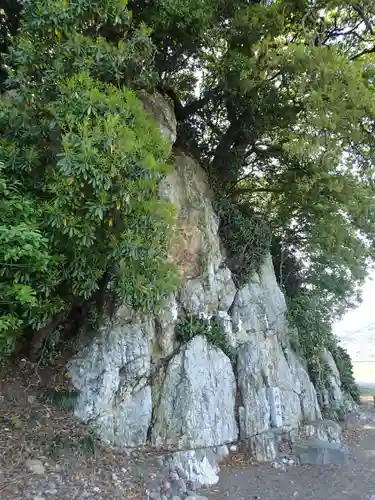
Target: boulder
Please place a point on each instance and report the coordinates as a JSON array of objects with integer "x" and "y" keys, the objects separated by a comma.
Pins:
[
  {"x": 112, "y": 376},
  {"x": 199, "y": 467},
  {"x": 264, "y": 446},
  {"x": 316, "y": 452},
  {"x": 196, "y": 400},
  {"x": 135, "y": 379}
]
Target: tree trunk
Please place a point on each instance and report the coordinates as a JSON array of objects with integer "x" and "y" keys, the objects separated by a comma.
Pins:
[{"x": 39, "y": 336}]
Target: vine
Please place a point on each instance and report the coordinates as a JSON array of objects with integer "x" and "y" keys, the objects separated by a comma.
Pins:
[
  {"x": 345, "y": 368},
  {"x": 308, "y": 315},
  {"x": 314, "y": 334}
]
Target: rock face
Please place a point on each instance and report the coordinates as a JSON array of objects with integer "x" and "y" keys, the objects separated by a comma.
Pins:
[
  {"x": 137, "y": 382},
  {"x": 332, "y": 395},
  {"x": 112, "y": 374},
  {"x": 275, "y": 387},
  {"x": 197, "y": 399}
]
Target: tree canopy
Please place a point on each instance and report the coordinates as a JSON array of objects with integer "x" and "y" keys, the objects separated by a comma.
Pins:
[
  {"x": 80, "y": 166},
  {"x": 274, "y": 98}
]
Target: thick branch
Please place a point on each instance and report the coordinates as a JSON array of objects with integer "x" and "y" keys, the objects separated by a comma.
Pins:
[
  {"x": 364, "y": 52},
  {"x": 361, "y": 14},
  {"x": 183, "y": 112},
  {"x": 273, "y": 151},
  {"x": 231, "y": 148},
  {"x": 195, "y": 106}
]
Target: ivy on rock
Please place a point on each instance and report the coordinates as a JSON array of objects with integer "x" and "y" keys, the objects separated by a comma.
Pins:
[
  {"x": 345, "y": 368},
  {"x": 246, "y": 237}
]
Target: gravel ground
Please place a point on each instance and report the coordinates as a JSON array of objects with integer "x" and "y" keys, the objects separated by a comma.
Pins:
[
  {"x": 46, "y": 455},
  {"x": 355, "y": 482}
]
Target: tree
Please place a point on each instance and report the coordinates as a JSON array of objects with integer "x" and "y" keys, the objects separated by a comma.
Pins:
[
  {"x": 81, "y": 162},
  {"x": 275, "y": 99},
  {"x": 283, "y": 121}
]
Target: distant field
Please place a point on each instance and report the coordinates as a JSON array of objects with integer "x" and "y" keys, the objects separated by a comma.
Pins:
[{"x": 367, "y": 393}]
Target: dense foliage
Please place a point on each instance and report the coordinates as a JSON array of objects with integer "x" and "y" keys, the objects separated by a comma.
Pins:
[
  {"x": 313, "y": 319},
  {"x": 246, "y": 237},
  {"x": 345, "y": 367},
  {"x": 80, "y": 166},
  {"x": 275, "y": 98}
]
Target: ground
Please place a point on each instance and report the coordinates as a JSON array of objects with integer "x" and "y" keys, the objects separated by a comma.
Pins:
[
  {"x": 355, "y": 482},
  {"x": 45, "y": 454},
  {"x": 74, "y": 466}
]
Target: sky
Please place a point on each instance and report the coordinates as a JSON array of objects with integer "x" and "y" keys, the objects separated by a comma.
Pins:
[
  {"x": 364, "y": 314},
  {"x": 357, "y": 331}
]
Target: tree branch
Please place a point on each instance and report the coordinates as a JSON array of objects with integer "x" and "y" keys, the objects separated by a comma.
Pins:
[
  {"x": 240, "y": 191},
  {"x": 183, "y": 112},
  {"x": 195, "y": 106},
  {"x": 364, "y": 52},
  {"x": 273, "y": 151},
  {"x": 230, "y": 152},
  {"x": 361, "y": 14}
]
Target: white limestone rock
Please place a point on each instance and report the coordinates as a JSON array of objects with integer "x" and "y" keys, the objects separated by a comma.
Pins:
[
  {"x": 165, "y": 323},
  {"x": 259, "y": 307},
  {"x": 197, "y": 399},
  {"x": 264, "y": 447},
  {"x": 266, "y": 362},
  {"x": 198, "y": 466},
  {"x": 112, "y": 377},
  {"x": 333, "y": 397},
  {"x": 193, "y": 397},
  {"x": 162, "y": 110}
]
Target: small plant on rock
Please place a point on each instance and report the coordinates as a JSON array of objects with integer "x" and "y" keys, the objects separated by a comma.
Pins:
[
  {"x": 191, "y": 326},
  {"x": 246, "y": 237}
]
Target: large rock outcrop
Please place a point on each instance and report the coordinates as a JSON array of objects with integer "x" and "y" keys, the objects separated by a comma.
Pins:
[
  {"x": 137, "y": 382},
  {"x": 197, "y": 399},
  {"x": 112, "y": 374}
]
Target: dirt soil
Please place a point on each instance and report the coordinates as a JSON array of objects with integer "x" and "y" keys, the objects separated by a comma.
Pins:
[{"x": 72, "y": 465}]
